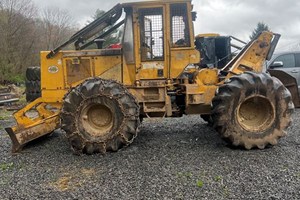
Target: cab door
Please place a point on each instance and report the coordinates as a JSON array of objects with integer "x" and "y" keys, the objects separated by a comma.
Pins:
[{"x": 152, "y": 60}]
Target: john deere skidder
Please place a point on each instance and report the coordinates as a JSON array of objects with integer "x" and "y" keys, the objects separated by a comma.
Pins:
[{"x": 99, "y": 95}]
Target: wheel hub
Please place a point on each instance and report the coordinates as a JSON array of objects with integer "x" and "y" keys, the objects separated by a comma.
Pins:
[
  {"x": 95, "y": 113},
  {"x": 97, "y": 119},
  {"x": 256, "y": 114}
]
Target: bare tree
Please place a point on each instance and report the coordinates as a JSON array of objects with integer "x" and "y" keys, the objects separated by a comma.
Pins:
[
  {"x": 16, "y": 36},
  {"x": 23, "y": 34},
  {"x": 57, "y": 27}
]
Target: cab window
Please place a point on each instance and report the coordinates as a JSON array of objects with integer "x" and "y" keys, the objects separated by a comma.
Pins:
[
  {"x": 152, "y": 34},
  {"x": 180, "y": 34}
]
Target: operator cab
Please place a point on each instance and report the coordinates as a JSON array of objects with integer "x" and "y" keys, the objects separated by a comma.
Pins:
[{"x": 158, "y": 38}]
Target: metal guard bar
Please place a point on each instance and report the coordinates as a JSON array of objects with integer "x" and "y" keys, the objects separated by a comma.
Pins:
[{"x": 109, "y": 18}]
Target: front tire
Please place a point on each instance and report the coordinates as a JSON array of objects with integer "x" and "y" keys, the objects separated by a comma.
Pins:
[
  {"x": 252, "y": 110},
  {"x": 100, "y": 115}
]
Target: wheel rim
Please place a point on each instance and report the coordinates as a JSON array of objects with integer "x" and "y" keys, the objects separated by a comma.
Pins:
[
  {"x": 256, "y": 114},
  {"x": 97, "y": 119}
]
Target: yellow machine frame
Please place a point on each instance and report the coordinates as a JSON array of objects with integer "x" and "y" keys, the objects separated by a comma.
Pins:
[{"x": 148, "y": 81}]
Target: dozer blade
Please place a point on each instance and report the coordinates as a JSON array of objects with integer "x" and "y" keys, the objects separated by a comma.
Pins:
[
  {"x": 20, "y": 137},
  {"x": 289, "y": 82},
  {"x": 28, "y": 128}
]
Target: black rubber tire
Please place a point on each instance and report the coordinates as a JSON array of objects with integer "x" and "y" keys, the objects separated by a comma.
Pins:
[
  {"x": 33, "y": 83},
  {"x": 29, "y": 86},
  {"x": 30, "y": 96},
  {"x": 33, "y": 90},
  {"x": 207, "y": 118},
  {"x": 36, "y": 95},
  {"x": 29, "y": 73},
  {"x": 252, "y": 89},
  {"x": 37, "y": 73},
  {"x": 33, "y": 74},
  {"x": 123, "y": 107},
  {"x": 37, "y": 86}
]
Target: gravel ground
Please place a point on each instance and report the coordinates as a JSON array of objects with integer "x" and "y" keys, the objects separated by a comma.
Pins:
[{"x": 171, "y": 159}]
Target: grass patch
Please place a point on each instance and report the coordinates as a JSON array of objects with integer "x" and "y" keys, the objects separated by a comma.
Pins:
[
  {"x": 5, "y": 115},
  {"x": 22, "y": 100},
  {"x": 184, "y": 174},
  {"x": 3, "y": 118},
  {"x": 200, "y": 183},
  {"x": 226, "y": 191},
  {"x": 297, "y": 175},
  {"x": 6, "y": 166},
  {"x": 218, "y": 178}
]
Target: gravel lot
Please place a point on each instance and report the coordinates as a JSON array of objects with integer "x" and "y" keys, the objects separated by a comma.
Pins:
[{"x": 171, "y": 159}]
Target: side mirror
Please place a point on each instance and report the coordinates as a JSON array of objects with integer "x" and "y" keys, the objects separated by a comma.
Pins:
[{"x": 276, "y": 64}]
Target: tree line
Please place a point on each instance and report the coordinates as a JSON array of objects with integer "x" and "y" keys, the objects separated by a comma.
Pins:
[{"x": 25, "y": 30}]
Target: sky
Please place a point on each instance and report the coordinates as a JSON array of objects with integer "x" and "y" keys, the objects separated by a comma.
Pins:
[{"x": 226, "y": 17}]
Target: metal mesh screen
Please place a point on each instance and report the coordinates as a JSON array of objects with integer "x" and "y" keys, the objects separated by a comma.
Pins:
[
  {"x": 152, "y": 37},
  {"x": 179, "y": 22}
]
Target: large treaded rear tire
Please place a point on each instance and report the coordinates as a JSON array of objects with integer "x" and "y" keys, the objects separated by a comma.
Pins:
[
  {"x": 252, "y": 110},
  {"x": 99, "y": 115}
]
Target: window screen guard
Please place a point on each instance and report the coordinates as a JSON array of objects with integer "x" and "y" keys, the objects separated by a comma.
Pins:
[
  {"x": 180, "y": 34},
  {"x": 152, "y": 34}
]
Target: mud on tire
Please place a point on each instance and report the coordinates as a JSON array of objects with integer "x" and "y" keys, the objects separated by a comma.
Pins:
[
  {"x": 99, "y": 115},
  {"x": 252, "y": 110}
]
